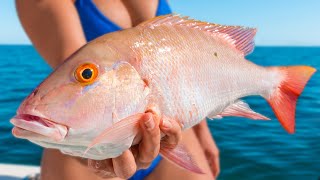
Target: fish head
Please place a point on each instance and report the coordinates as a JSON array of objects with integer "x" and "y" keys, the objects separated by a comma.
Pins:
[{"x": 89, "y": 92}]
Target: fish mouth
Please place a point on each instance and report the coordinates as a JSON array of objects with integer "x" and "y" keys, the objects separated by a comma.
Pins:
[{"x": 28, "y": 126}]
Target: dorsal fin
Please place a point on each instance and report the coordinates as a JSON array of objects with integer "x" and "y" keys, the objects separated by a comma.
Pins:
[{"x": 242, "y": 38}]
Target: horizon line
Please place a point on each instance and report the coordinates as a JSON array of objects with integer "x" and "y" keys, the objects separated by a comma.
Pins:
[{"x": 257, "y": 45}]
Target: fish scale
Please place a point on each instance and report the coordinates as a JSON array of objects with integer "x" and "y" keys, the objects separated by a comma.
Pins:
[{"x": 178, "y": 71}]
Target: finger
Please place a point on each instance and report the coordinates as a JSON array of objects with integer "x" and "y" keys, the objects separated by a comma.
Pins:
[
  {"x": 150, "y": 143},
  {"x": 103, "y": 168},
  {"x": 216, "y": 165},
  {"x": 172, "y": 129},
  {"x": 135, "y": 150},
  {"x": 124, "y": 165},
  {"x": 214, "y": 162}
]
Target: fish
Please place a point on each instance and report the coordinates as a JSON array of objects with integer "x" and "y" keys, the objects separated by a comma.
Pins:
[{"x": 171, "y": 67}]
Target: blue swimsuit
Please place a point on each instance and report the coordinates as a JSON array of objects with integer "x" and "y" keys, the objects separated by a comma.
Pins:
[{"x": 95, "y": 24}]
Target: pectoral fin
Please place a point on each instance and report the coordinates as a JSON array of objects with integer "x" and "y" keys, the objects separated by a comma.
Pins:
[
  {"x": 120, "y": 131},
  {"x": 240, "y": 109},
  {"x": 180, "y": 156},
  {"x": 129, "y": 127}
]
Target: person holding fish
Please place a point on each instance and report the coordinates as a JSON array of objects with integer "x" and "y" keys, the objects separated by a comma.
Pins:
[{"x": 58, "y": 29}]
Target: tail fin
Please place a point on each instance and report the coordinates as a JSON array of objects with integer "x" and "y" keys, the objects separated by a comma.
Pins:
[{"x": 283, "y": 100}]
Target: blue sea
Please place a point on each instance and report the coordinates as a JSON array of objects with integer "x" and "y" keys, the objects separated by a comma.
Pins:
[{"x": 249, "y": 149}]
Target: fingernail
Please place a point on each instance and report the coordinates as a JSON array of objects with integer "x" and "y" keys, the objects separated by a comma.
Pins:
[
  {"x": 166, "y": 124},
  {"x": 97, "y": 165},
  {"x": 94, "y": 165},
  {"x": 149, "y": 124}
]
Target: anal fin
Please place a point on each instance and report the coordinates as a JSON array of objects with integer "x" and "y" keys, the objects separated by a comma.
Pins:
[{"x": 240, "y": 109}]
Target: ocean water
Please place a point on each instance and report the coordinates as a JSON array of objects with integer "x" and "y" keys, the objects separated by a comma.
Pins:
[{"x": 249, "y": 149}]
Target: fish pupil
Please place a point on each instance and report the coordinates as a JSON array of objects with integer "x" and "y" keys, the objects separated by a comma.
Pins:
[{"x": 87, "y": 73}]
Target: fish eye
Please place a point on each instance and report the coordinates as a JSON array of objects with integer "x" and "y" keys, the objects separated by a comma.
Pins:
[{"x": 86, "y": 73}]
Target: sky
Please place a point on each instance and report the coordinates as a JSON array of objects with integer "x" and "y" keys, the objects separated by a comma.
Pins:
[{"x": 279, "y": 22}]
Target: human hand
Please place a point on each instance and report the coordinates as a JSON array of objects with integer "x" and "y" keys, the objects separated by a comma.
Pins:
[
  {"x": 141, "y": 155},
  {"x": 209, "y": 147}
]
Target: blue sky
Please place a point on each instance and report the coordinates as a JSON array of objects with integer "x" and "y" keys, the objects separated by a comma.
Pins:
[{"x": 279, "y": 22}]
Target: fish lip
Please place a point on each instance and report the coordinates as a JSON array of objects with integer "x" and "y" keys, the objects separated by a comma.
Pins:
[{"x": 38, "y": 125}]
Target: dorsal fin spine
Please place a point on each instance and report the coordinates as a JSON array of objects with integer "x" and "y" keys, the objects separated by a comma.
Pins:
[{"x": 239, "y": 37}]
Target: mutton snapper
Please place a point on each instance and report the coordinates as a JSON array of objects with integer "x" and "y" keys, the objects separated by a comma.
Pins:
[{"x": 170, "y": 66}]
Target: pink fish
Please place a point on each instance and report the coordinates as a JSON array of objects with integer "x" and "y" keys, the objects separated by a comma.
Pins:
[{"x": 170, "y": 66}]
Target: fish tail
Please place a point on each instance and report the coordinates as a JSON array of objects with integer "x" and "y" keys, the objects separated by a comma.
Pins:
[{"x": 283, "y": 97}]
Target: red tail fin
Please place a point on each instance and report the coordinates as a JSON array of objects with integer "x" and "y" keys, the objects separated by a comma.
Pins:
[{"x": 283, "y": 100}]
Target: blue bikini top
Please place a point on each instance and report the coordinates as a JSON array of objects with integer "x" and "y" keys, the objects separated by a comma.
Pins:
[{"x": 95, "y": 24}]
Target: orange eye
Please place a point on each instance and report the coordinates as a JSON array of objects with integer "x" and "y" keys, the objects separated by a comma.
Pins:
[{"x": 86, "y": 73}]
